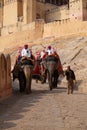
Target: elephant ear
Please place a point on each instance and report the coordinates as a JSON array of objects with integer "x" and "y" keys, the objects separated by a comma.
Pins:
[
  {"x": 15, "y": 73},
  {"x": 17, "y": 68}
]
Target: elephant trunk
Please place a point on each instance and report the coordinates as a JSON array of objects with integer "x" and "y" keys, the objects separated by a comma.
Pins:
[
  {"x": 51, "y": 67},
  {"x": 28, "y": 76}
]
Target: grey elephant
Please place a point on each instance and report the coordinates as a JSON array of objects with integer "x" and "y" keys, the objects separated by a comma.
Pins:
[
  {"x": 52, "y": 64},
  {"x": 23, "y": 72}
]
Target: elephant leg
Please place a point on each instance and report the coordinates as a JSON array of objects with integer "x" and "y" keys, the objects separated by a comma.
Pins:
[
  {"x": 55, "y": 82},
  {"x": 43, "y": 79},
  {"x": 22, "y": 82},
  {"x": 36, "y": 80},
  {"x": 22, "y": 86},
  {"x": 28, "y": 86},
  {"x": 55, "y": 79}
]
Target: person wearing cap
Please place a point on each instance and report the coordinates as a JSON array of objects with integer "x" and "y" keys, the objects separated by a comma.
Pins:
[
  {"x": 49, "y": 50},
  {"x": 26, "y": 51},
  {"x": 27, "y": 54}
]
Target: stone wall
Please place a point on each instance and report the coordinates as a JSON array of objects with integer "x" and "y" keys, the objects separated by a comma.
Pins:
[
  {"x": 64, "y": 28},
  {"x": 10, "y": 13},
  {"x": 27, "y": 34},
  {"x": 5, "y": 76},
  {"x": 84, "y": 5},
  {"x": 1, "y": 18},
  {"x": 1, "y": 13},
  {"x": 58, "y": 13},
  {"x": 75, "y": 9},
  {"x": 9, "y": 29},
  {"x": 50, "y": 12},
  {"x": 40, "y": 8},
  {"x": 39, "y": 30}
]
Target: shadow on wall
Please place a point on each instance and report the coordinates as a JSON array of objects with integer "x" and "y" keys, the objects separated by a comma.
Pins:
[{"x": 5, "y": 75}]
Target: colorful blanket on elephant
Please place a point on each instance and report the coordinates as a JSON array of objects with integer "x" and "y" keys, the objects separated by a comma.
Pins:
[
  {"x": 51, "y": 58},
  {"x": 36, "y": 71},
  {"x": 56, "y": 59},
  {"x": 26, "y": 62}
]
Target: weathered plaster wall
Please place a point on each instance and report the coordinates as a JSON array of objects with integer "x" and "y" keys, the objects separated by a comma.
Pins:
[
  {"x": 10, "y": 13},
  {"x": 64, "y": 28},
  {"x": 5, "y": 76}
]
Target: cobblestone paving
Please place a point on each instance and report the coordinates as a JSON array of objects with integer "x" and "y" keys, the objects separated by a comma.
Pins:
[{"x": 44, "y": 110}]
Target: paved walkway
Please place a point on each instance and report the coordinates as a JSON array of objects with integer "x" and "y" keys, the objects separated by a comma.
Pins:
[{"x": 44, "y": 110}]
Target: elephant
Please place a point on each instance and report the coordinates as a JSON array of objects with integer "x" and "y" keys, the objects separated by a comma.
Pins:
[
  {"x": 23, "y": 72},
  {"x": 51, "y": 65}
]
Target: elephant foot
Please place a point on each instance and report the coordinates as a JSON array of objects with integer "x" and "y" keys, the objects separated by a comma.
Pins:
[
  {"x": 50, "y": 88},
  {"x": 28, "y": 92},
  {"x": 71, "y": 92},
  {"x": 21, "y": 90},
  {"x": 55, "y": 86},
  {"x": 36, "y": 80},
  {"x": 42, "y": 82}
]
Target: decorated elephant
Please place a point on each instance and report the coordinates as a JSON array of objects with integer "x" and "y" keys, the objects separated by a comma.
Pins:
[
  {"x": 52, "y": 64},
  {"x": 23, "y": 71}
]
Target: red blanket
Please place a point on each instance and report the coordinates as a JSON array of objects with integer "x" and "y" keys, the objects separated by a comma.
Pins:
[{"x": 36, "y": 70}]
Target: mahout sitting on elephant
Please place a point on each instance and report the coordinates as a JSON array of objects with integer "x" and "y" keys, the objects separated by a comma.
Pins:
[
  {"x": 52, "y": 67},
  {"x": 23, "y": 70}
]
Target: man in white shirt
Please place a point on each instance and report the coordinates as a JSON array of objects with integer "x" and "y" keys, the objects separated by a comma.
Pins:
[
  {"x": 50, "y": 50},
  {"x": 27, "y": 54},
  {"x": 26, "y": 51}
]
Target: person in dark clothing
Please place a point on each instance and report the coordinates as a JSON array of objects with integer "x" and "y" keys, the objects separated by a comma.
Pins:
[{"x": 71, "y": 78}]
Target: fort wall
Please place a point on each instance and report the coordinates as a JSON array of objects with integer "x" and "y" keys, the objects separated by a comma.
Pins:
[
  {"x": 39, "y": 29},
  {"x": 10, "y": 13},
  {"x": 84, "y": 4},
  {"x": 56, "y": 14},
  {"x": 75, "y": 10},
  {"x": 64, "y": 27},
  {"x": 1, "y": 18},
  {"x": 27, "y": 34},
  {"x": 5, "y": 76}
]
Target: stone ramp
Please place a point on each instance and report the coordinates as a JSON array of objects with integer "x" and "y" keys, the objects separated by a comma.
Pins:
[{"x": 43, "y": 109}]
